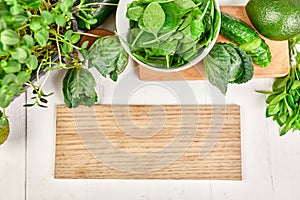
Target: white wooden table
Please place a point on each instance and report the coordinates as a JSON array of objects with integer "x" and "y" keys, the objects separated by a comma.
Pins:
[{"x": 271, "y": 164}]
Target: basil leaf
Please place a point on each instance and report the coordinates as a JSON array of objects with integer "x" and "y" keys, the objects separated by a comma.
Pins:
[
  {"x": 79, "y": 88},
  {"x": 108, "y": 56}
]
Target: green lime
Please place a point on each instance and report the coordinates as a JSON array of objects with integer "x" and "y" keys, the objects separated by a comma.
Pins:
[
  {"x": 4, "y": 129},
  {"x": 275, "y": 19}
]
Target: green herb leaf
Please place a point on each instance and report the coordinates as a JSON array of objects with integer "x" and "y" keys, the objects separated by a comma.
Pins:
[
  {"x": 60, "y": 20},
  {"x": 28, "y": 41},
  {"x": 9, "y": 37},
  {"x": 42, "y": 37},
  {"x": 75, "y": 38},
  {"x": 12, "y": 66},
  {"x": 46, "y": 17},
  {"x": 79, "y": 88},
  {"x": 19, "y": 54},
  {"x": 108, "y": 56},
  {"x": 35, "y": 24},
  {"x": 216, "y": 65}
]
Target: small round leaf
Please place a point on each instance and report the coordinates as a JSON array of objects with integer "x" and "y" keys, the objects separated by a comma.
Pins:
[{"x": 9, "y": 37}]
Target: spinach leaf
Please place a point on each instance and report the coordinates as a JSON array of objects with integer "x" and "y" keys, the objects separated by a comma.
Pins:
[
  {"x": 108, "y": 56},
  {"x": 171, "y": 32},
  {"x": 154, "y": 18},
  {"x": 79, "y": 88}
]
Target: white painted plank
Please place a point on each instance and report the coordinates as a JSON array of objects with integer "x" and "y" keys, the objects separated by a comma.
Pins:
[{"x": 12, "y": 154}]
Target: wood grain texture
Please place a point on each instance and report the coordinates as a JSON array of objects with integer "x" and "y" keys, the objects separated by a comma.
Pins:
[
  {"x": 148, "y": 142},
  {"x": 279, "y": 66}
]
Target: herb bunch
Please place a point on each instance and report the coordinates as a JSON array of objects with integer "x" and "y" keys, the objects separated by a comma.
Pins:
[
  {"x": 283, "y": 102},
  {"x": 35, "y": 36}
]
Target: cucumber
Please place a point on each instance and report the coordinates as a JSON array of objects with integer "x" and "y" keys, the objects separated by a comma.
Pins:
[
  {"x": 101, "y": 13},
  {"x": 247, "y": 38},
  {"x": 236, "y": 30}
]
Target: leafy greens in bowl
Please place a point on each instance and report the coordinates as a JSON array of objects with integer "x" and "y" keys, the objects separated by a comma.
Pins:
[{"x": 168, "y": 35}]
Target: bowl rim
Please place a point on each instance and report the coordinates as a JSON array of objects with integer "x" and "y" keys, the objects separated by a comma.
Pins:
[{"x": 122, "y": 34}]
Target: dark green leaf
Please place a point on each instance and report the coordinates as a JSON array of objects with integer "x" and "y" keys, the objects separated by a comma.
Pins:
[{"x": 216, "y": 65}]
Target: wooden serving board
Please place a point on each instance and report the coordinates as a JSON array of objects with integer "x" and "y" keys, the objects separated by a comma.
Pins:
[
  {"x": 148, "y": 142},
  {"x": 279, "y": 66}
]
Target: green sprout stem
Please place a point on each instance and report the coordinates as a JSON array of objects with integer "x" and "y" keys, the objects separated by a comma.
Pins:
[{"x": 101, "y": 3}]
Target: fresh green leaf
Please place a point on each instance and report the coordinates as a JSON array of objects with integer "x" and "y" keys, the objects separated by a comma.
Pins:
[
  {"x": 8, "y": 78},
  {"x": 32, "y": 4},
  {"x": 135, "y": 13},
  {"x": 108, "y": 56},
  {"x": 75, "y": 38},
  {"x": 35, "y": 24},
  {"x": 79, "y": 88},
  {"x": 20, "y": 54},
  {"x": 42, "y": 37},
  {"x": 9, "y": 37},
  {"x": 28, "y": 41},
  {"x": 68, "y": 34},
  {"x": 85, "y": 44},
  {"x": 216, "y": 65},
  {"x": 32, "y": 62},
  {"x": 12, "y": 66},
  {"x": 60, "y": 20},
  {"x": 46, "y": 17},
  {"x": 153, "y": 17}
]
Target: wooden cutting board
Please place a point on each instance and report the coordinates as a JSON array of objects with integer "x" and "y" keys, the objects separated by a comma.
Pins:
[
  {"x": 279, "y": 66},
  {"x": 148, "y": 142}
]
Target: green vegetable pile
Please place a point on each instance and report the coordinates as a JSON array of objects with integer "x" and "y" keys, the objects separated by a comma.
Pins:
[
  {"x": 226, "y": 63},
  {"x": 283, "y": 102},
  {"x": 170, "y": 33}
]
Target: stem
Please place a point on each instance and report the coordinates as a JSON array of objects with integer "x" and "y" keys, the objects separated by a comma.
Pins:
[
  {"x": 64, "y": 41},
  {"x": 100, "y": 4},
  {"x": 41, "y": 86},
  {"x": 88, "y": 34},
  {"x": 22, "y": 27},
  {"x": 206, "y": 7},
  {"x": 137, "y": 37},
  {"x": 168, "y": 61},
  {"x": 158, "y": 38},
  {"x": 58, "y": 48}
]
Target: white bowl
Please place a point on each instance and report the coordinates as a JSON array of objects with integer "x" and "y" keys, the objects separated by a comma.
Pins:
[{"x": 122, "y": 26}]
